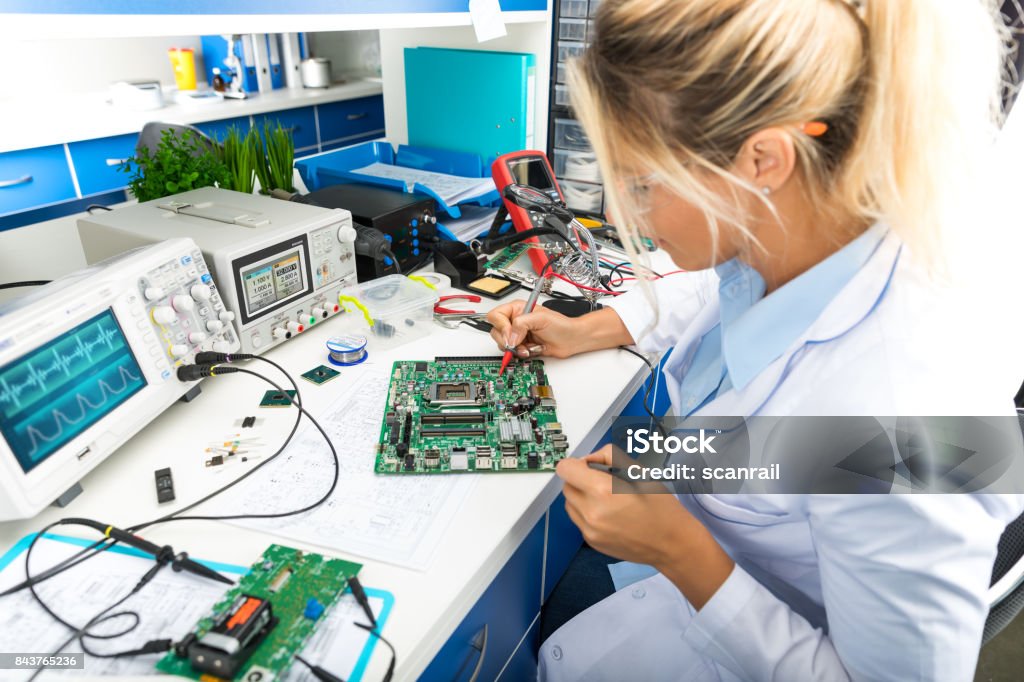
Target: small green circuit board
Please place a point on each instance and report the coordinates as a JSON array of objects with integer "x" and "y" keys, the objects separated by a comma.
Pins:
[
  {"x": 289, "y": 579},
  {"x": 277, "y": 398},
  {"x": 456, "y": 415},
  {"x": 506, "y": 257}
]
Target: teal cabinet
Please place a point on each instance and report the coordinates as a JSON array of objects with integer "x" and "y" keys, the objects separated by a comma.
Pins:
[
  {"x": 34, "y": 177},
  {"x": 97, "y": 161}
]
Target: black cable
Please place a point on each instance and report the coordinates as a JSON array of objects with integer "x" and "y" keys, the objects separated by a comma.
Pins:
[
  {"x": 394, "y": 259},
  {"x": 97, "y": 547},
  {"x": 650, "y": 385},
  {"x": 90, "y": 207},
  {"x": 318, "y": 672},
  {"x": 394, "y": 656},
  {"x": 504, "y": 241},
  {"x": 28, "y": 283}
]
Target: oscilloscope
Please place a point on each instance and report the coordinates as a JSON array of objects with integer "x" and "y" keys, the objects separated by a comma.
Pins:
[
  {"x": 278, "y": 265},
  {"x": 88, "y": 360}
]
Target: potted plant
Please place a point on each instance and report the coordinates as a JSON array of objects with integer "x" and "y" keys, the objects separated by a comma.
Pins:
[
  {"x": 179, "y": 163},
  {"x": 241, "y": 157},
  {"x": 277, "y": 154}
]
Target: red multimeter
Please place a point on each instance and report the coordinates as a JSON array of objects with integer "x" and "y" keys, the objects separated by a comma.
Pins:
[{"x": 527, "y": 168}]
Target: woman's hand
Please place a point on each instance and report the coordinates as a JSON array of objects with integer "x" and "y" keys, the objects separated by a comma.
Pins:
[
  {"x": 637, "y": 524},
  {"x": 550, "y": 333},
  {"x": 543, "y": 330}
]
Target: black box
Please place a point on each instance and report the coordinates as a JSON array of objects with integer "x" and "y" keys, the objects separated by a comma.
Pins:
[{"x": 408, "y": 219}]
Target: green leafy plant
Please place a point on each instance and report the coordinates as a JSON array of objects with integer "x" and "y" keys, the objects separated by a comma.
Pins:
[
  {"x": 280, "y": 158},
  {"x": 180, "y": 163},
  {"x": 240, "y": 155}
]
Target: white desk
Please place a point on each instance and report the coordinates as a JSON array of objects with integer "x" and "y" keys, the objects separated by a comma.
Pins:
[{"x": 494, "y": 520}]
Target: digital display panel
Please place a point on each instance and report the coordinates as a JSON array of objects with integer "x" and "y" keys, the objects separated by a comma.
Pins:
[
  {"x": 273, "y": 280},
  {"x": 531, "y": 171},
  {"x": 57, "y": 391}
]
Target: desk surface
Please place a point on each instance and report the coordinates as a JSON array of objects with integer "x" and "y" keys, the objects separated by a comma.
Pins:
[{"x": 429, "y": 604}]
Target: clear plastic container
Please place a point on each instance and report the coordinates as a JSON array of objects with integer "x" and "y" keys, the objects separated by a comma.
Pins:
[
  {"x": 401, "y": 309},
  {"x": 576, "y": 165},
  {"x": 561, "y": 95},
  {"x": 582, "y": 196},
  {"x": 572, "y": 29},
  {"x": 572, "y": 8},
  {"x": 570, "y": 50},
  {"x": 569, "y": 135}
]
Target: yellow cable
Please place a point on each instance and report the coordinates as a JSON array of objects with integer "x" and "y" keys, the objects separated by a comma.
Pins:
[
  {"x": 354, "y": 301},
  {"x": 421, "y": 280}
]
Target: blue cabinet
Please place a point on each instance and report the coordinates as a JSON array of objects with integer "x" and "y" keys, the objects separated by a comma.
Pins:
[
  {"x": 96, "y": 162},
  {"x": 301, "y": 123},
  {"x": 218, "y": 130},
  {"x": 564, "y": 540},
  {"x": 34, "y": 177},
  {"x": 350, "y": 119},
  {"x": 490, "y": 633}
]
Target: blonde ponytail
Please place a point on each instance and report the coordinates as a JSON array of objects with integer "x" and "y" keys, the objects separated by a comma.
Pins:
[{"x": 909, "y": 89}]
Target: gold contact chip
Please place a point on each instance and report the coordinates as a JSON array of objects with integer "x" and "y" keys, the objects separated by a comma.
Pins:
[{"x": 490, "y": 285}]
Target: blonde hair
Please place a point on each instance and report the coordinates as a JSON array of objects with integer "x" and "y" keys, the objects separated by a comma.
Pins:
[{"x": 909, "y": 89}]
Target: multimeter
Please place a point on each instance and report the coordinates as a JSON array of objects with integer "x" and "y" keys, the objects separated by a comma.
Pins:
[{"x": 531, "y": 168}]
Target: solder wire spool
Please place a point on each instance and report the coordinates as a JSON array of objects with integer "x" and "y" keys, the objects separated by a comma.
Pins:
[{"x": 346, "y": 350}]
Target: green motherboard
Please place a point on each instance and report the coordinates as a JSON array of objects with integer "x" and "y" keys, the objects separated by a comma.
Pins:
[
  {"x": 257, "y": 628},
  {"x": 456, "y": 415}
]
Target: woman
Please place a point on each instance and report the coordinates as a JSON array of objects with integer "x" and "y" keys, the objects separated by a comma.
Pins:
[{"x": 810, "y": 162}]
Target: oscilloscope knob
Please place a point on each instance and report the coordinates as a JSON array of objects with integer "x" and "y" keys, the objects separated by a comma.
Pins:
[
  {"x": 154, "y": 293},
  {"x": 164, "y": 314},
  {"x": 221, "y": 347},
  {"x": 182, "y": 303},
  {"x": 179, "y": 350},
  {"x": 200, "y": 292},
  {"x": 346, "y": 234},
  {"x": 196, "y": 337},
  {"x": 214, "y": 326},
  {"x": 226, "y": 316}
]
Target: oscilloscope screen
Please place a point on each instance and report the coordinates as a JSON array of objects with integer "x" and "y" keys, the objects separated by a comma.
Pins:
[{"x": 57, "y": 391}]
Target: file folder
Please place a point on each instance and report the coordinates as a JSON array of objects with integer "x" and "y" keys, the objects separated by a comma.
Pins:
[{"x": 470, "y": 100}]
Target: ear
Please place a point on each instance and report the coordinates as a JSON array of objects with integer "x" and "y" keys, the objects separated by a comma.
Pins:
[{"x": 767, "y": 159}]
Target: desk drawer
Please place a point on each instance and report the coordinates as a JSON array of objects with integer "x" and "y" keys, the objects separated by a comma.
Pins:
[
  {"x": 97, "y": 161},
  {"x": 302, "y": 123},
  {"x": 34, "y": 177},
  {"x": 352, "y": 117},
  {"x": 506, "y": 609},
  {"x": 218, "y": 130}
]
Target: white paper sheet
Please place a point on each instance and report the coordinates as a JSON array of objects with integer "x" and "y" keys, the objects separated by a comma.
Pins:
[
  {"x": 474, "y": 221},
  {"x": 451, "y": 188},
  {"x": 168, "y": 607},
  {"x": 397, "y": 519}
]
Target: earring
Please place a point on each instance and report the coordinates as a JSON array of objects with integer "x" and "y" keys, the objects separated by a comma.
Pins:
[{"x": 766, "y": 191}]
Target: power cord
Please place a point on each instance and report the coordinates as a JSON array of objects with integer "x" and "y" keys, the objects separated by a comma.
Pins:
[
  {"x": 28, "y": 283},
  {"x": 650, "y": 385}
]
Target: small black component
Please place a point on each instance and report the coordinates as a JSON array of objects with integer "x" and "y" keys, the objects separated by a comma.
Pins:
[
  {"x": 410, "y": 463},
  {"x": 235, "y": 635},
  {"x": 538, "y": 436},
  {"x": 533, "y": 422},
  {"x": 421, "y": 367},
  {"x": 541, "y": 379},
  {"x": 410, "y": 323},
  {"x": 401, "y": 449},
  {"x": 389, "y": 418},
  {"x": 532, "y": 461},
  {"x": 407, "y": 431},
  {"x": 478, "y": 359},
  {"x": 164, "y": 485},
  {"x": 248, "y": 422},
  {"x": 393, "y": 435}
]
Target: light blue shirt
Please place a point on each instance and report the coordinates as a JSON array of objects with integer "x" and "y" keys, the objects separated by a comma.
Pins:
[{"x": 756, "y": 329}]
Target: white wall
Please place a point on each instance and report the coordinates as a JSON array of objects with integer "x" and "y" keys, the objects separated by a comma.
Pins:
[
  {"x": 47, "y": 67},
  {"x": 533, "y": 37}
]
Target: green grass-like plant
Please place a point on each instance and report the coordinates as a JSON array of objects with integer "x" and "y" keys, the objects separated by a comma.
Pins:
[{"x": 179, "y": 164}]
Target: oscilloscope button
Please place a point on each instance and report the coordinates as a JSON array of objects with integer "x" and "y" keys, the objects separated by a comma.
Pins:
[
  {"x": 154, "y": 293},
  {"x": 183, "y": 303},
  {"x": 214, "y": 326},
  {"x": 226, "y": 316},
  {"x": 164, "y": 314},
  {"x": 179, "y": 350},
  {"x": 196, "y": 337},
  {"x": 200, "y": 292},
  {"x": 225, "y": 347}
]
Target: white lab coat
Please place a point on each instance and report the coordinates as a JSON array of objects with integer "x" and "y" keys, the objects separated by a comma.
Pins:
[{"x": 825, "y": 587}]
